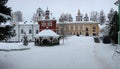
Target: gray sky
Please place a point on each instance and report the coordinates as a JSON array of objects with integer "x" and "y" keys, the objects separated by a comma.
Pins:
[{"x": 57, "y": 7}]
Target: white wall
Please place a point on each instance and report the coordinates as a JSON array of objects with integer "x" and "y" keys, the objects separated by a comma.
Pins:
[{"x": 26, "y": 27}]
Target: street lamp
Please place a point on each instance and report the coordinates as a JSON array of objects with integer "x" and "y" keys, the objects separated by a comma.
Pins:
[{"x": 118, "y": 4}]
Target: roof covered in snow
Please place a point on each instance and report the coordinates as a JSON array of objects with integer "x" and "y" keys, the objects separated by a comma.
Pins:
[
  {"x": 28, "y": 23},
  {"x": 82, "y": 22},
  {"x": 46, "y": 33}
]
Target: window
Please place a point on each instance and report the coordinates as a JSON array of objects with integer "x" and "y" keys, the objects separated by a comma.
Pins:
[
  {"x": 14, "y": 31},
  {"x": 57, "y": 27},
  {"x": 30, "y": 31},
  {"x": 36, "y": 31},
  {"x": 76, "y": 28},
  {"x": 94, "y": 34},
  {"x": 71, "y": 28},
  {"x": 94, "y": 27},
  {"x": 86, "y": 29},
  {"x": 21, "y": 39},
  {"x": 43, "y": 24},
  {"x": 22, "y": 31},
  {"x": 50, "y": 24},
  {"x": 80, "y": 33},
  {"x": 81, "y": 27},
  {"x": 94, "y": 30},
  {"x": 67, "y": 28}
]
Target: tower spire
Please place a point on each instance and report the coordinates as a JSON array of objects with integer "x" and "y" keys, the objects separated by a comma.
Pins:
[{"x": 78, "y": 11}]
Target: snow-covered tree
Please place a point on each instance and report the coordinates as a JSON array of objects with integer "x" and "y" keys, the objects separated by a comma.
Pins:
[
  {"x": 94, "y": 16},
  {"x": 5, "y": 14},
  {"x": 110, "y": 14},
  {"x": 66, "y": 17},
  {"x": 17, "y": 16},
  {"x": 110, "y": 32},
  {"x": 114, "y": 27},
  {"x": 102, "y": 18}
]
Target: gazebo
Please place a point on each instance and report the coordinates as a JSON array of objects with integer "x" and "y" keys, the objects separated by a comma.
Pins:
[{"x": 47, "y": 38}]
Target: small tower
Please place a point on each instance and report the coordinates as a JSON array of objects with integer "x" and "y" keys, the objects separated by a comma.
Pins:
[
  {"x": 79, "y": 16},
  {"x": 78, "y": 12},
  {"x": 47, "y": 14},
  {"x": 70, "y": 18},
  {"x": 38, "y": 15},
  {"x": 86, "y": 18}
]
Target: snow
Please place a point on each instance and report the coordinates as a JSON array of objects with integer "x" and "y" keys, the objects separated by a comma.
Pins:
[
  {"x": 84, "y": 22},
  {"x": 8, "y": 23},
  {"x": 76, "y": 53},
  {"x": 46, "y": 33},
  {"x": 102, "y": 26},
  {"x": 5, "y": 16},
  {"x": 13, "y": 46},
  {"x": 28, "y": 23}
]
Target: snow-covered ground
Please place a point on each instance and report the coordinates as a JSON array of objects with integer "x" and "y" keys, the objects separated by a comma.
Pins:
[{"x": 76, "y": 53}]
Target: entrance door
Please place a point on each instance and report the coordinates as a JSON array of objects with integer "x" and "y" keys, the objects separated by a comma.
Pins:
[{"x": 87, "y": 34}]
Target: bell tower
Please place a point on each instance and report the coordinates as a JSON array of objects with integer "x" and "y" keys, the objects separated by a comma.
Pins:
[
  {"x": 78, "y": 12},
  {"x": 79, "y": 16},
  {"x": 47, "y": 14}
]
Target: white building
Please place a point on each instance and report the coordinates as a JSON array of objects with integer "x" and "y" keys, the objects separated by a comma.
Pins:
[{"x": 30, "y": 28}]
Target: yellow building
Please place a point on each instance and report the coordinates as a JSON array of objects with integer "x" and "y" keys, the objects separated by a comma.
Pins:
[{"x": 86, "y": 28}]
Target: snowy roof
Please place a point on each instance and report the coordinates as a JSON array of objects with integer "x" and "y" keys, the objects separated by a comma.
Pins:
[
  {"x": 28, "y": 23},
  {"x": 46, "y": 33},
  {"x": 83, "y": 22},
  {"x": 5, "y": 16}
]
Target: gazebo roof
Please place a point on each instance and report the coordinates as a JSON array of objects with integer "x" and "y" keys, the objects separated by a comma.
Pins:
[{"x": 46, "y": 33}]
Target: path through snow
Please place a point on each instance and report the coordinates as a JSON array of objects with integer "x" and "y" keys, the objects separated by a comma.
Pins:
[{"x": 76, "y": 53}]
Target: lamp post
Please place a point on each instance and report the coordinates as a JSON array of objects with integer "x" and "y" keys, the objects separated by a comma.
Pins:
[{"x": 118, "y": 4}]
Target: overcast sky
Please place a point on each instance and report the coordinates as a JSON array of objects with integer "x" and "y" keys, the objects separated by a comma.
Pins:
[{"x": 57, "y": 7}]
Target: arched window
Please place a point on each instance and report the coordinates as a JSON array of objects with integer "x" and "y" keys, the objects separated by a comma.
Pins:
[
  {"x": 14, "y": 31},
  {"x": 22, "y": 31},
  {"x": 94, "y": 30},
  {"x": 80, "y": 33},
  {"x": 87, "y": 34},
  {"x": 94, "y": 27},
  {"x": 36, "y": 31},
  {"x": 71, "y": 28},
  {"x": 30, "y": 31},
  {"x": 86, "y": 29}
]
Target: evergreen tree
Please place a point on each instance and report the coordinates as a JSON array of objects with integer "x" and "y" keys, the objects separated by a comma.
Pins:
[
  {"x": 110, "y": 14},
  {"x": 114, "y": 27},
  {"x": 6, "y": 33},
  {"x": 4, "y": 11},
  {"x": 5, "y": 14},
  {"x": 102, "y": 18},
  {"x": 17, "y": 16},
  {"x": 94, "y": 16}
]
